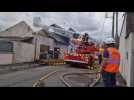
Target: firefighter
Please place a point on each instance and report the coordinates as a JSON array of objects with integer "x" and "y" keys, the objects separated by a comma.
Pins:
[
  {"x": 110, "y": 64},
  {"x": 100, "y": 53},
  {"x": 85, "y": 37}
]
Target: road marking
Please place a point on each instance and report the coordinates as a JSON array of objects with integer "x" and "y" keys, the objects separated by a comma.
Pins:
[
  {"x": 66, "y": 83},
  {"x": 96, "y": 80},
  {"x": 44, "y": 77}
]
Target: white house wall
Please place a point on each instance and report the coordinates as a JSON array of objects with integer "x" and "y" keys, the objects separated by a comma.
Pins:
[
  {"x": 124, "y": 49},
  {"x": 23, "y": 52},
  {"x": 132, "y": 60},
  {"x": 126, "y": 65},
  {"x": 41, "y": 40},
  {"x": 6, "y": 58}
]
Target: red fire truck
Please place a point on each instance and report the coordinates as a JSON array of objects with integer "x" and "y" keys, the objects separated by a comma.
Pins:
[{"x": 82, "y": 55}]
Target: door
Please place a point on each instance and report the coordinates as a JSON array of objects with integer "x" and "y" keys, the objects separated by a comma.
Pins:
[{"x": 44, "y": 48}]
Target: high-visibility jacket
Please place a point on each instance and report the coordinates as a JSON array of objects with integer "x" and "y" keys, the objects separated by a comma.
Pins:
[{"x": 114, "y": 61}]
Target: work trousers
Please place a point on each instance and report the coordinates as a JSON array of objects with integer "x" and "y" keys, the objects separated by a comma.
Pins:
[
  {"x": 109, "y": 79},
  {"x": 99, "y": 59}
]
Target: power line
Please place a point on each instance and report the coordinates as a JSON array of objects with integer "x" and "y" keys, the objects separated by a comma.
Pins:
[{"x": 124, "y": 15}]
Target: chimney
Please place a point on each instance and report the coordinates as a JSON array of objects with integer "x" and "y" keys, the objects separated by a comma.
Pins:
[{"x": 37, "y": 21}]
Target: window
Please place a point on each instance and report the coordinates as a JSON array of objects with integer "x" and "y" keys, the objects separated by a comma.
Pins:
[{"x": 6, "y": 46}]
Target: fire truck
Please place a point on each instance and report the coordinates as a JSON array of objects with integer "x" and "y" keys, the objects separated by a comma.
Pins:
[{"x": 82, "y": 53}]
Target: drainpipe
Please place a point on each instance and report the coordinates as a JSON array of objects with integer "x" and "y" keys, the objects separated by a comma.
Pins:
[
  {"x": 35, "y": 47},
  {"x": 13, "y": 52}
]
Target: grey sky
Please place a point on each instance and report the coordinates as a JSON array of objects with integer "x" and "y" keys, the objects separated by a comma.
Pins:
[{"x": 91, "y": 22}]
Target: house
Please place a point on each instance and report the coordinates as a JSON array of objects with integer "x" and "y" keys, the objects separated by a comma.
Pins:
[
  {"x": 16, "y": 44},
  {"x": 21, "y": 29},
  {"x": 20, "y": 43},
  {"x": 55, "y": 39},
  {"x": 61, "y": 38},
  {"x": 43, "y": 42},
  {"x": 127, "y": 49}
]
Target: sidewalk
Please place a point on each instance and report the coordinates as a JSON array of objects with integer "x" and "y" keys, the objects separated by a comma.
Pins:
[
  {"x": 120, "y": 82},
  {"x": 16, "y": 67}
]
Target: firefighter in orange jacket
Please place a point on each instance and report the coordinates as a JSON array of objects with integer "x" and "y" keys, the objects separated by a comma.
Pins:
[{"x": 110, "y": 64}]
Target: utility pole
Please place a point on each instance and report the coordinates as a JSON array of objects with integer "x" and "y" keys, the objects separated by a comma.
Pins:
[
  {"x": 117, "y": 24},
  {"x": 116, "y": 35},
  {"x": 115, "y": 27},
  {"x": 113, "y": 19}
]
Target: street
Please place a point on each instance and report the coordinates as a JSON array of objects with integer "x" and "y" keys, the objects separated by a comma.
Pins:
[
  {"x": 24, "y": 78},
  {"x": 28, "y": 77},
  {"x": 47, "y": 49}
]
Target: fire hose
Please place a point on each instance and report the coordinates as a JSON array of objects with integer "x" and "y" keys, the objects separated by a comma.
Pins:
[
  {"x": 90, "y": 85},
  {"x": 36, "y": 84}
]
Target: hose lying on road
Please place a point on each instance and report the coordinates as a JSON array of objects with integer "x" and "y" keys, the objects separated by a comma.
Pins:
[
  {"x": 90, "y": 85},
  {"x": 40, "y": 82}
]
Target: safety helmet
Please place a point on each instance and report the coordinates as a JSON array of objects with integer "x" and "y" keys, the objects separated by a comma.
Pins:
[{"x": 110, "y": 41}]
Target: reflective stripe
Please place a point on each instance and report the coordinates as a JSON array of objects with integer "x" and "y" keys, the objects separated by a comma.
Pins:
[{"x": 112, "y": 61}]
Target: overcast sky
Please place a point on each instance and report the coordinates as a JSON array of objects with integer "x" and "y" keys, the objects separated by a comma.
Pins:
[{"x": 91, "y": 22}]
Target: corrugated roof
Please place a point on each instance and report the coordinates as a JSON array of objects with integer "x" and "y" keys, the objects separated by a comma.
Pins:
[
  {"x": 60, "y": 39},
  {"x": 21, "y": 29}
]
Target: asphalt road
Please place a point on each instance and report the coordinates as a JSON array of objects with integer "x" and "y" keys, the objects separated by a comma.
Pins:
[
  {"x": 27, "y": 78},
  {"x": 73, "y": 80}
]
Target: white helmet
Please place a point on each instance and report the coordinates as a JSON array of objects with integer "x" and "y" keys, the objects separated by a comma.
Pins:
[{"x": 109, "y": 41}]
